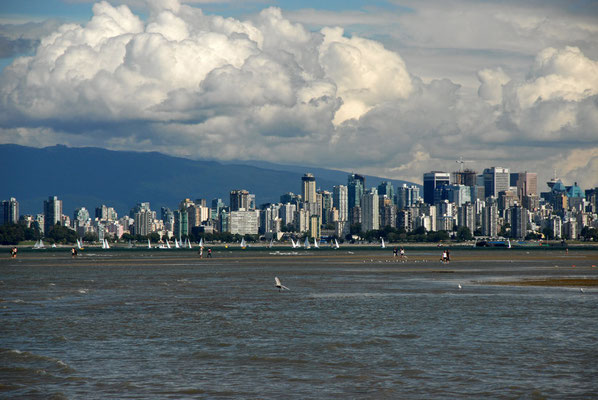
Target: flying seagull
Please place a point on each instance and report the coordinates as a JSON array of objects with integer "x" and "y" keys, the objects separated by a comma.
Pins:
[
  {"x": 460, "y": 287},
  {"x": 279, "y": 285}
]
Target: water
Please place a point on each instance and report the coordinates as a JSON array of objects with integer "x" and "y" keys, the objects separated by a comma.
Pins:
[{"x": 149, "y": 325}]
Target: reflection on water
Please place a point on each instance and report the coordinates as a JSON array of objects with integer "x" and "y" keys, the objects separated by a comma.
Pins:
[{"x": 181, "y": 327}]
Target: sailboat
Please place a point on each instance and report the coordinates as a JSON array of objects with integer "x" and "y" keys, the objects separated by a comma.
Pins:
[
  {"x": 243, "y": 244},
  {"x": 167, "y": 244},
  {"x": 316, "y": 245},
  {"x": 201, "y": 242},
  {"x": 79, "y": 244},
  {"x": 39, "y": 245},
  {"x": 149, "y": 244},
  {"x": 336, "y": 246},
  {"x": 509, "y": 243},
  {"x": 105, "y": 244},
  {"x": 383, "y": 244},
  {"x": 189, "y": 244},
  {"x": 306, "y": 244},
  {"x": 176, "y": 244}
]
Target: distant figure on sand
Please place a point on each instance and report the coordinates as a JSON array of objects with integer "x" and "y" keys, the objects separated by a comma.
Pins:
[
  {"x": 73, "y": 252},
  {"x": 210, "y": 252},
  {"x": 201, "y": 252},
  {"x": 13, "y": 252},
  {"x": 395, "y": 252},
  {"x": 402, "y": 253}
]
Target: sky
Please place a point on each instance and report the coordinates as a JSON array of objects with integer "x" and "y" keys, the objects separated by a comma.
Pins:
[{"x": 390, "y": 88}]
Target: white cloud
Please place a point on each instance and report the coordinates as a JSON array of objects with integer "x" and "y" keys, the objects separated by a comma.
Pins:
[{"x": 183, "y": 82}]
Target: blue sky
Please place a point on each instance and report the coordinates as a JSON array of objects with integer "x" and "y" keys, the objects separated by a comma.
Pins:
[{"x": 392, "y": 88}]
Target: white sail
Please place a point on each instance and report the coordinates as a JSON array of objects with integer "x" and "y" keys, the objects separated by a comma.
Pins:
[
  {"x": 167, "y": 244},
  {"x": 104, "y": 244},
  {"x": 201, "y": 242},
  {"x": 176, "y": 244},
  {"x": 383, "y": 244},
  {"x": 79, "y": 244},
  {"x": 149, "y": 244},
  {"x": 243, "y": 244},
  {"x": 188, "y": 243},
  {"x": 306, "y": 244},
  {"x": 316, "y": 245},
  {"x": 39, "y": 245},
  {"x": 509, "y": 243},
  {"x": 336, "y": 244}
]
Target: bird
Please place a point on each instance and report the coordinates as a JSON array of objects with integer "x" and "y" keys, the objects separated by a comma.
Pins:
[
  {"x": 279, "y": 285},
  {"x": 460, "y": 287},
  {"x": 580, "y": 290}
]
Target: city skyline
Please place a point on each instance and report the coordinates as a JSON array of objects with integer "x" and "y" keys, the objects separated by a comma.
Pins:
[{"x": 387, "y": 88}]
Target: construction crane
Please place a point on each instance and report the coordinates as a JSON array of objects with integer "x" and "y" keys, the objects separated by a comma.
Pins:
[{"x": 461, "y": 161}]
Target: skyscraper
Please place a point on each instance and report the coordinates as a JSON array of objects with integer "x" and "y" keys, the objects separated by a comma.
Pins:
[
  {"x": 355, "y": 187},
  {"x": 52, "y": 212},
  {"x": 340, "y": 200},
  {"x": 386, "y": 189},
  {"x": 9, "y": 213},
  {"x": 433, "y": 180},
  {"x": 308, "y": 188},
  {"x": 239, "y": 200},
  {"x": 406, "y": 196},
  {"x": 370, "y": 215},
  {"x": 496, "y": 180}
]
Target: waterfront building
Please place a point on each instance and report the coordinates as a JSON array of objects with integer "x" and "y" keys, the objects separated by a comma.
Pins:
[{"x": 490, "y": 218}]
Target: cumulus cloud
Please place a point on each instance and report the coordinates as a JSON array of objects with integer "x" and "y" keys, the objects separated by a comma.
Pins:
[{"x": 186, "y": 83}]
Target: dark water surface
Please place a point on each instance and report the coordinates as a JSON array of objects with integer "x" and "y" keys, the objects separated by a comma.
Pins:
[{"x": 143, "y": 325}]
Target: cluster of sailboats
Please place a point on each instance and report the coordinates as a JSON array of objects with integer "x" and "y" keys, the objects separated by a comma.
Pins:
[{"x": 186, "y": 244}]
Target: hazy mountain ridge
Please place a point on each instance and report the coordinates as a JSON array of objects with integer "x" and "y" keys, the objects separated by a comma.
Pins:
[{"x": 89, "y": 176}]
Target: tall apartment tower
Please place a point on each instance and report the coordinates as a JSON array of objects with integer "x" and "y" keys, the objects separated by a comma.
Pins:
[
  {"x": 52, "y": 212},
  {"x": 519, "y": 218},
  {"x": 496, "y": 180},
  {"x": 239, "y": 200},
  {"x": 490, "y": 218},
  {"x": 370, "y": 214},
  {"x": 433, "y": 180},
  {"x": 466, "y": 177},
  {"x": 355, "y": 187},
  {"x": 406, "y": 196},
  {"x": 340, "y": 200},
  {"x": 9, "y": 213},
  {"x": 308, "y": 188}
]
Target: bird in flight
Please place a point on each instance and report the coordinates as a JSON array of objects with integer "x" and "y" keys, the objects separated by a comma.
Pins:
[{"x": 279, "y": 285}]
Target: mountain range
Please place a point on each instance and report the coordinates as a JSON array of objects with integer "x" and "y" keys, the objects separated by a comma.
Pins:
[{"x": 89, "y": 177}]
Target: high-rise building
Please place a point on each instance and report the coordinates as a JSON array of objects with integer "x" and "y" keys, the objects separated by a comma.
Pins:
[
  {"x": 9, "y": 212},
  {"x": 490, "y": 218},
  {"x": 519, "y": 218},
  {"x": 52, "y": 212},
  {"x": 239, "y": 200},
  {"x": 370, "y": 215},
  {"x": 386, "y": 189},
  {"x": 217, "y": 205},
  {"x": 340, "y": 200},
  {"x": 308, "y": 188},
  {"x": 466, "y": 217},
  {"x": 406, "y": 196},
  {"x": 432, "y": 181},
  {"x": 355, "y": 188},
  {"x": 466, "y": 177},
  {"x": 496, "y": 180},
  {"x": 244, "y": 222},
  {"x": 526, "y": 183}
]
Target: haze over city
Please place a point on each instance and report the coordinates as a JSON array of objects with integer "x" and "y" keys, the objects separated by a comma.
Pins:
[{"x": 388, "y": 88}]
